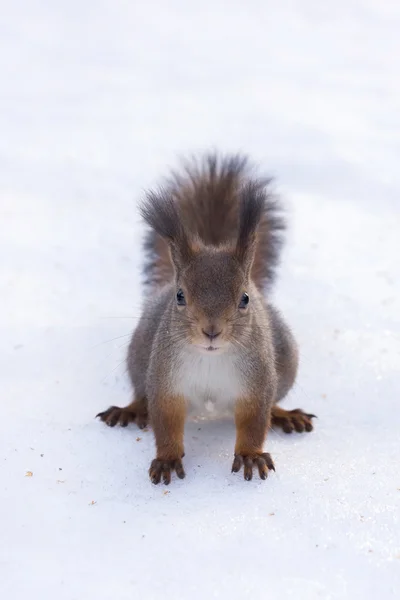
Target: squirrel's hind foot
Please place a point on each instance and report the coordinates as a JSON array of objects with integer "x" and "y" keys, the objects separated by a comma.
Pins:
[
  {"x": 291, "y": 420},
  {"x": 134, "y": 412}
]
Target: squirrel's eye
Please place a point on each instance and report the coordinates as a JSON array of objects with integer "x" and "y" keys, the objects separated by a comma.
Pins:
[
  {"x": 244, "y": 301},
  {"x": 180, "y": 298}
]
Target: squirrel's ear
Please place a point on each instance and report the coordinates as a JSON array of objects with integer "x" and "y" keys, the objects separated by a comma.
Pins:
[
  {"x": 160, "y": 212},
  {"x": 251, "y": 210}
]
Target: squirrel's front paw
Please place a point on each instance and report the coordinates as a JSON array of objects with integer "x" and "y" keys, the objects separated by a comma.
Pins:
[
  {"x": 162, "y": 468},
  {"x": 263, "y": 462}
]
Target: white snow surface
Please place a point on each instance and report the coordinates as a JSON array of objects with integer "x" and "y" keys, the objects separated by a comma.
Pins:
[{"x": 98, "y": 99}]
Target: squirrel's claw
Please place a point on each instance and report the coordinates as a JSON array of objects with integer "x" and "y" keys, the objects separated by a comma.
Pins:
[
  {"x": 263, "y": 462},
  {"x": 163, "y": 468},
  {"x": 129, "y": 414},
  {"x": 291, "y": 420}
]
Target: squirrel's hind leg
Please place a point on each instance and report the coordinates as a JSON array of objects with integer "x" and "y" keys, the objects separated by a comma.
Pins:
[
  {"x": 286, "y": 360},
  {"x": 136, "y": 412}
]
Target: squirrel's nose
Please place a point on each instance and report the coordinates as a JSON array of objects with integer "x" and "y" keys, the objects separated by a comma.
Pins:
[{"x": 211, "y": 333}]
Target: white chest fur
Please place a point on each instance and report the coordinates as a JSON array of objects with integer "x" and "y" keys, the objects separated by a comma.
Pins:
[{"x": 210, "y": 382}]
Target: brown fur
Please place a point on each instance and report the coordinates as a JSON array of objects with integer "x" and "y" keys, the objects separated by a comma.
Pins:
[
  {"x": 168, "y": 423},
  {"x": 207, "y": 195},
  {"x": 135, "y": 412},
  {"x": 252, "y": 419},
  {"x": 207, "y": 333},
  {"x": 291, "y": 420},
  {"x": 252, "y": 422}
]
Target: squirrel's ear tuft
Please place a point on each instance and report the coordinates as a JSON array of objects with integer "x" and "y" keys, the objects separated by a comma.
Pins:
[
  {"x": 251, "y": 211},
  {"x": 160, "y": 212}
]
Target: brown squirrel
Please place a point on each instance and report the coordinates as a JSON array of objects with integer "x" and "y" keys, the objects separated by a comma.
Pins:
[{"x": 207, "y": 337}]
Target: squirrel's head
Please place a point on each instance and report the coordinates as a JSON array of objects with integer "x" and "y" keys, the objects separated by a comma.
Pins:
[{"x": 212, "y": 284}]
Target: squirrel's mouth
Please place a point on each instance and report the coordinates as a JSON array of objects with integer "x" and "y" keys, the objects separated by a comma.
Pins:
[
  {"x": 210, "y": 346},
  {"x": 209, "y": 349}
]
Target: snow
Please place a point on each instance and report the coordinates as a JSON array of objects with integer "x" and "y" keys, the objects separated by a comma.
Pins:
[{"x": 97, "y": 100}]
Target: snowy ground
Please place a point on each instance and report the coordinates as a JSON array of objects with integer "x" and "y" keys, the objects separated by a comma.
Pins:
[{"x": 96, "y": 99}]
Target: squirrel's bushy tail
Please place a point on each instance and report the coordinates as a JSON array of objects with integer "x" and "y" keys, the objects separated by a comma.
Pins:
[{"x": 207, "y": 193}]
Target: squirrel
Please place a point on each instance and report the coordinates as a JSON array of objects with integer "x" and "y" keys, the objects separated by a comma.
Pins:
[{"x": 208, "y": 336}]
